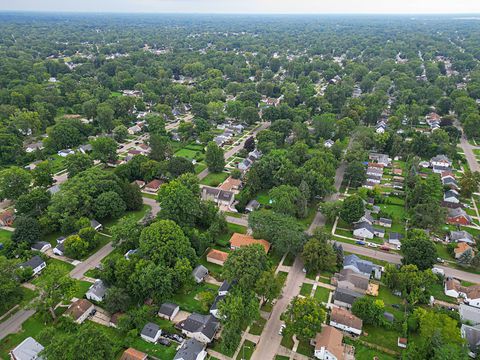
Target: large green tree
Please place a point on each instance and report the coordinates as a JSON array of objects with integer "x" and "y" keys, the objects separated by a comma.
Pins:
[
  {"x": 318, "y": 253},
  {"x": 303, "y": 318},
  {"x": 352, "y": 209},
  {"x": 419, "y": 250},
  {"x": 214, "y": 158},
  {"x": 14, "y": 182},
  {"x": 104, "y": 149}
]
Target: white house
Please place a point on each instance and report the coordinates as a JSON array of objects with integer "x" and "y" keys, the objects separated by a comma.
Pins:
[
  {"x": 36, "y": 263},
  {"x": 451, "y": 196},
  {"x": 151, "y": 332},
  {"x": 97, "y": 291},
  {"x": 200, "y": 327},
  {"x": 28, "y": 349},
  {"x": 363, "y": 230},
  {"x": 328, "y": 344},
  {"x": 168, "y": 311},
  {"x": 328, "y": 143},
  {"x": 344, "y": 320},
  {"x": 80, "y": 310},
  {"x": 59, "y": 249},
  {"x": 41, "y": 246},
  {"x": 440, "y": 161}
]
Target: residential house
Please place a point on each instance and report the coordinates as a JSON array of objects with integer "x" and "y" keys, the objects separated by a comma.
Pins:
[
  {"x": 363, "y": 230},
  {"x": 36, "y": 263},
  {"x": 461, "y": 249},
  {"x": 231, "y": 184},
  {"x": 41, "y": 246},
  {"x": 451, "y": 196},
  {"x": 470, "y": 294},
  {"x": 381, "y": 159},
  {"x": 153, "y": 186},
  {"x": 238, "y": 240},
  {"x": 65, "y": 152},
  {"x": 244, "y": 165},
  {"x": 375, "y": 179},
  {"x": 402, "y": 342},
  {"x": 96, "y": 225},
  {"x": 54, "y": 189},
  {"x": 218, "y": 196},
  {"x": 458, "y": 216},
  {"x": 80, "y": 310},
  {"x": 214, "y": 308},
  {"x": 329, "y": 344},
  {"x": 385, "y": 222},
  {"x": 252, "y": 205},
  {"x": 191, "y": 349},
  {"x": 133, "y": 354},
  {"x": 440, "y": 161},
  {"x": 218, "y": 257},
  {"x": 139, "y": 183},
  {"x": 376, "y": 171},
  {"x": 460, "y": 236},
  {"x": 438, "y": 169},
  {"x": 7, "y": 218},
  {"x": 472, "y": 336},
  {"x": 358, "y": 265},
  {"x": 225, "y": 287},
  {"x": 28, "y": 349},
  {"x": 168, "y": 311},
  {"x": 345, "y": 297},
  {"x": 199, "y": 273},
  {"x": 151, "y": 332},
  {"x": 448, "y": 179},
  {"x": 328, "y": 143},
  {"x": 34, "y": 147},
  {"x": 469, "y": 314},
  {"x": 394, "y": 239},
  {"x": 129, "y": 253},
  {"x": 97, "y": 291},
  {"x": 84, "y": 149},
  {"x": 381, "y": 128},
  {"x": 349, "y": 279},
  {"x": 200, "y": 327},
  {"x": 59, "y": 249},
  {"x": 344, "y": 320}
]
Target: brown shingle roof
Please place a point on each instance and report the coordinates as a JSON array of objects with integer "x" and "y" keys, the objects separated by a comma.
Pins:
[
  {"x": 231, "y": 184},
  {"x": 133, "y": 354},
  {"x": 154, "y": 184},
  {"x": 331, "y": 339},
  {"x": 345, "y": 317},
  {"x": 217, "y": 255},
  {"x": 78, "y": 308},
  {"x": 239, "y": 240}
]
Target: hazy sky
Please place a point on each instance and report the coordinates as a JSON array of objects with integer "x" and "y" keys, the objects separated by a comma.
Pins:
[{"x": 249, "y": 6}]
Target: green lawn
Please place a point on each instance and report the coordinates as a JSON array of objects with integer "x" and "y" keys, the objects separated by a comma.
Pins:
[
  {"x": 281, "y": 357},
  {"x": 214, "y": 179},
  {"x": 190, "y": 154},
  {"x": 186, "y": 300},
  {"x": 137, "y": 215},
  {"x": 263, "y": 198},
  {"x": 289, "y": 259},
  {"x": 306, "y": 289},
  {"x": 438, "y": 292},
  {"x": 380, "y": 336},
  {"x": 223, "y": 240},
  {"x": 321, "y": 294},
  {"x": 363, "y": 352},
  {"x": 305, "y": 348},
  {"x": 32, "y": 327},
  {"x": 246, "y": 350},
  {"x": 214, "y": 269},
  {"x": 5, "y": 235},
  {"x": 199, "y": 167},
  {"x": 82, "y": 288},
  {"x": 150, "y": 196},
  {"x": 257, "y": 327},
  {"x": 24, "y": 297}
]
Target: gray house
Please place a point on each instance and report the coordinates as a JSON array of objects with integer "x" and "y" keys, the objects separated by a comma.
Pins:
[
  {"x": 168, "y": 311},
  {"x": 191, "y": 350},
  {"x": 199, "y": 273},
  {"x": 28, "y": 349},
  {"x": 345, "y": 297}
]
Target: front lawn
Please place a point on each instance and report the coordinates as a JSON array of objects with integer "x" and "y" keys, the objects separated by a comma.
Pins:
[
  {"x": 5, "y": 235},
  {"x": 306, "y": 289},
  {"x": 223, "y": 240},
  {"x": 257, "y": 327},
  {"x": 214, "y": 179},
  {"x": 380, "y": 336},
  {"x": 137, "y": 215},
  {"x": 186, "y": 299},
  {"x": 321, "y": 294},
  {"x": 246, "y": 350}
]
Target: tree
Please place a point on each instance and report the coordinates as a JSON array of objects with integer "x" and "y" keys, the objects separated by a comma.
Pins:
[
  {"x": 179, "y": 165},
  {"x": 117, "y": 299},
  {"x": 156, "y": 125},
  {"x": 10, "y": 290},
  {"x": 352, "y": 209},
  {"x": 109, "y": 204},
  {"x": 419, "y": 250},
  {"x": 303, "y": 318},
  {"x": 285, "y": 199},
  {"x": 331, "y": 210},
  {"x": 120, "y": 133},
  {"x": 76, "y": 247},
  {"x": 318, "y": 254},
  {"x": 284, "y": 232},
  {"x": 269, "y": 286},
  {"x": 355, "y": 173},
  {"x": 246, "y": 265},
  {"x": 76, "y": 163},
  {"x": 250, "y": 115},
  {"x": 249, "y": 144},
  {"x": 214, "y": 158},
  {"x": 132, "y": 196},
  {"x": 469, "y": 183},
  {"x": 206, "y": 299},
  {"x": 27, "y": 231},
  {"x": 54, "y": 286},
  {"x": 160, "y": 147},
  {"x": 104, "y": 117},
  {"x": 33, "y": 203},
  {"x": 126, "y": 233},
  {"x": 14, "y": 182},
  {"x": 370, "y": 310},
  {"x": 104, "y": 149},
  {"x": 42, "y": 175}
]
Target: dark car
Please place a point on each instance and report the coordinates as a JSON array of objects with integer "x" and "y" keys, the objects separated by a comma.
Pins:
[
  {"x": 93, "y": 312},
  {"x": 163, "y": 342},
  {"x": 396, "y": 306}
]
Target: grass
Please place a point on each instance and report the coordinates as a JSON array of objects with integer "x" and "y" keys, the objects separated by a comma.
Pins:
[
  {"x": 281, "y": 357},
  {"x": 438, "y": 292},
  {"x": 150, "y": 196},
  {"x": 5, "y": 235},
  {"x": 199, "y": 167},
  {"x": 190, "y": 154},
  {"x": 287, "y": 341},
  {"x": 321, "y": 294},
  {"x": 214, "y": 270},
  {"x": 381, "y": 336},
  {"x": 214, "y": 179},
  {"x": 217, "y": 346},
  {"x": 246, "y": 350},
  {"x": 289, "y": 259},
  {"x": 305, "y": 348},
  {"x": 82, "y": 288},
  {"x": 32, "y": 327},
  {"x": 363, "y": 352},
  {"x": 263, "y": 198},
  {"x": 137, "y": 215},
  {"x": 257, "y": 327},
  {"x": 24, "y": 297},
  {"x": 306, "y": 289},
  {"x": 186, "y": 300},
  {"x": 223, "y": 240}
]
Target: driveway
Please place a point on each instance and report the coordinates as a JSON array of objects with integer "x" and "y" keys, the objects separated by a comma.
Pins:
[{"x": 92, "y": 262}]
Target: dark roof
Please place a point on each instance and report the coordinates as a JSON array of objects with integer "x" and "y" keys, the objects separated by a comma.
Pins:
[
  {"x": 363, "y": 225},
  {"x": 206, "y": 324},
  {"x": 150, "y": 330},
  {"x": 60, "y": 247},
  {"x": 94, "y": 223},
  {"x": 345, "y": 295},
  {"x": 189, "y": 350},
  {"x": 226, "y": 286},
  {"x": 200, "y": 272},
  {"x": 34, "y": 262},
  {"x": 363, "y": 266},
  {"x": 388, "y": 316},
  {"x": 385, "y": 220},
  {"x": 39, "y": 245},
  {"x": 395, "y": 236},
  {"x": 167, "y": 309},
  {"x": 472, "y": 335},
  {"x": 217, "y": 300}
]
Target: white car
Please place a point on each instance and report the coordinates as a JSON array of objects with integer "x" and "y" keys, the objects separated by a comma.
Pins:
[
  {"x": 283, "y": 326},
  {"x": 373, "y": 245}
]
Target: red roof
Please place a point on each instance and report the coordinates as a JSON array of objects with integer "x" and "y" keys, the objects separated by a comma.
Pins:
[{"x": 154, "y": 184}]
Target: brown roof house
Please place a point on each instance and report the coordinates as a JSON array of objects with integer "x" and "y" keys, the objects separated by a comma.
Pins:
[
  {"x": 349, "y": 279},
  {"x": 238, "y": 240},
  {"x": 461, "y": 249},
  {"x": 344, "y": 320},
  {"x": 217, "y": 257},
  {"x": 80, "y": 310},
  {"x": 133, "y": 354},
  {"x": 328, "y": 344},
  {"x": 7, "y": 218},
  {"x": 153, "y": 186}
]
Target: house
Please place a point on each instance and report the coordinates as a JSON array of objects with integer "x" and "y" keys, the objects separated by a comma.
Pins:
[
  {"x": 328, "y": 344},
  {"x": 375, "y": 179},
  {"x": 394, "y": 239},
  {"x": 36, "y": 263},
  {"x": 469, "y": 314},
  {"x": 344, "y": 320},
  {"x": 151, "y": 332},
  {"x": 218, "y": 196},
  {"x": 460, "y": 236},
  {"x": 438, "y": 169},
  {"x": 214, "y": 308},
  {"x": 139, "y": 183},
  {"x": 358, "y": 265},
  {"x": 349, "y": 279},
  {"x": 129, "y": 253},
  {"x": 200, "y": 327},
  {"x": 345, "y": 297},
  {"x": 96, "y": 225},
  {"x": 135, "y": 129},
  {"x": 458, "y": 216},
  {"x": 231, "y": 184},
  {"x": 66, "y": 152},
  {"x": 252, "y": 205},
  {"x": 440, "y": 161},
  {"x": 402, "y": 342},
  {"x": 225, "y": 287},
  {"x": 363, "y": 230},
  {"x": 34, "y": 147},
  {"x": 381, "y": 159},
  {"x": 376, "y": 171},
  {"x": 385, "y": 222},
  {"x": 218, "y": 257},
  {"x": 238, "y": 240},
  {"x": 451, "y": 183},
  {"x": 153, "y": 186},
  {"x": 472, "y": 336},
  {"x": 328, "y": 143},
  {"x": 41, "y": 246},
  {"x": 133, "y": 354},
  {"x": 451, "y": 196},
  {"x": 168, "y": 311},
  {"x": 381, "y": 128},
  {"x": 199, "y": 273},
  {"x": 191, "y": 350},
  {"x": 54, "y": 189},
  {"x": 367, "y": 217},
  {"x": 244, "y": 165},
  {"x": 97, "y": 291},
  {"x": 85, "y": 148},
  {"x": 28, "y": 349},
  {"x": 80, "y": 310},
  {"x": 461, "y": 249},
  {"x": 470, "y": 294},
  {"x": 7, "y": 218},
  {"x": 59, "y": 249}
]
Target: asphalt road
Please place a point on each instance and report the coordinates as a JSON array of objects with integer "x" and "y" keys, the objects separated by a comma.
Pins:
[
  {"x": 91, "y": 262},
  {"x": 14, "y": 323},
  {"x": 468, "y": 150}
]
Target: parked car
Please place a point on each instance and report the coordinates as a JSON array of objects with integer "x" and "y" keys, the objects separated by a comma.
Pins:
[
  {"x": 283, "y": 326},
  {"x": 93, "y": 312},
  {"x": 373, "y": 245},
  {"x": 360, "y": 242},
  {"x": 440, "y": 260},
  {"x": 384, "y": 248},
  {"x": 164, "y": 342},
  {"x": 174, "y": 337}
]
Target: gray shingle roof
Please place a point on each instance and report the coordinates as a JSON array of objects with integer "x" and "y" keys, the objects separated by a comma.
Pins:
[
  {"x": 28, "y": 349},
  {"x": 205, "y": 324},
  {"x": 189, "y": 350},
  {"x": 472, "y": 335},
  {"x": 346, "y": 296},
  {"x": 33, "y": 262},
  {"x": 364, "y": 266},
  {"x": 167, "y": 309},
  {"x": 200, "y": 272},
  {"x": 98, "y": 289},
  {"x": 150, "y": 330}
]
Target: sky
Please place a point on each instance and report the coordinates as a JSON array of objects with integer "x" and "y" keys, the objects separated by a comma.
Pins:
[{"x": 250, "y": 6}]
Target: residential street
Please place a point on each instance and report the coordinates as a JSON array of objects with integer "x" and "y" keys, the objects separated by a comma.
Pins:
[
  {"x": 468, "y": 150},
  {"x": 91, "y": 262},
  {"x": 14, "y": 323}
]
